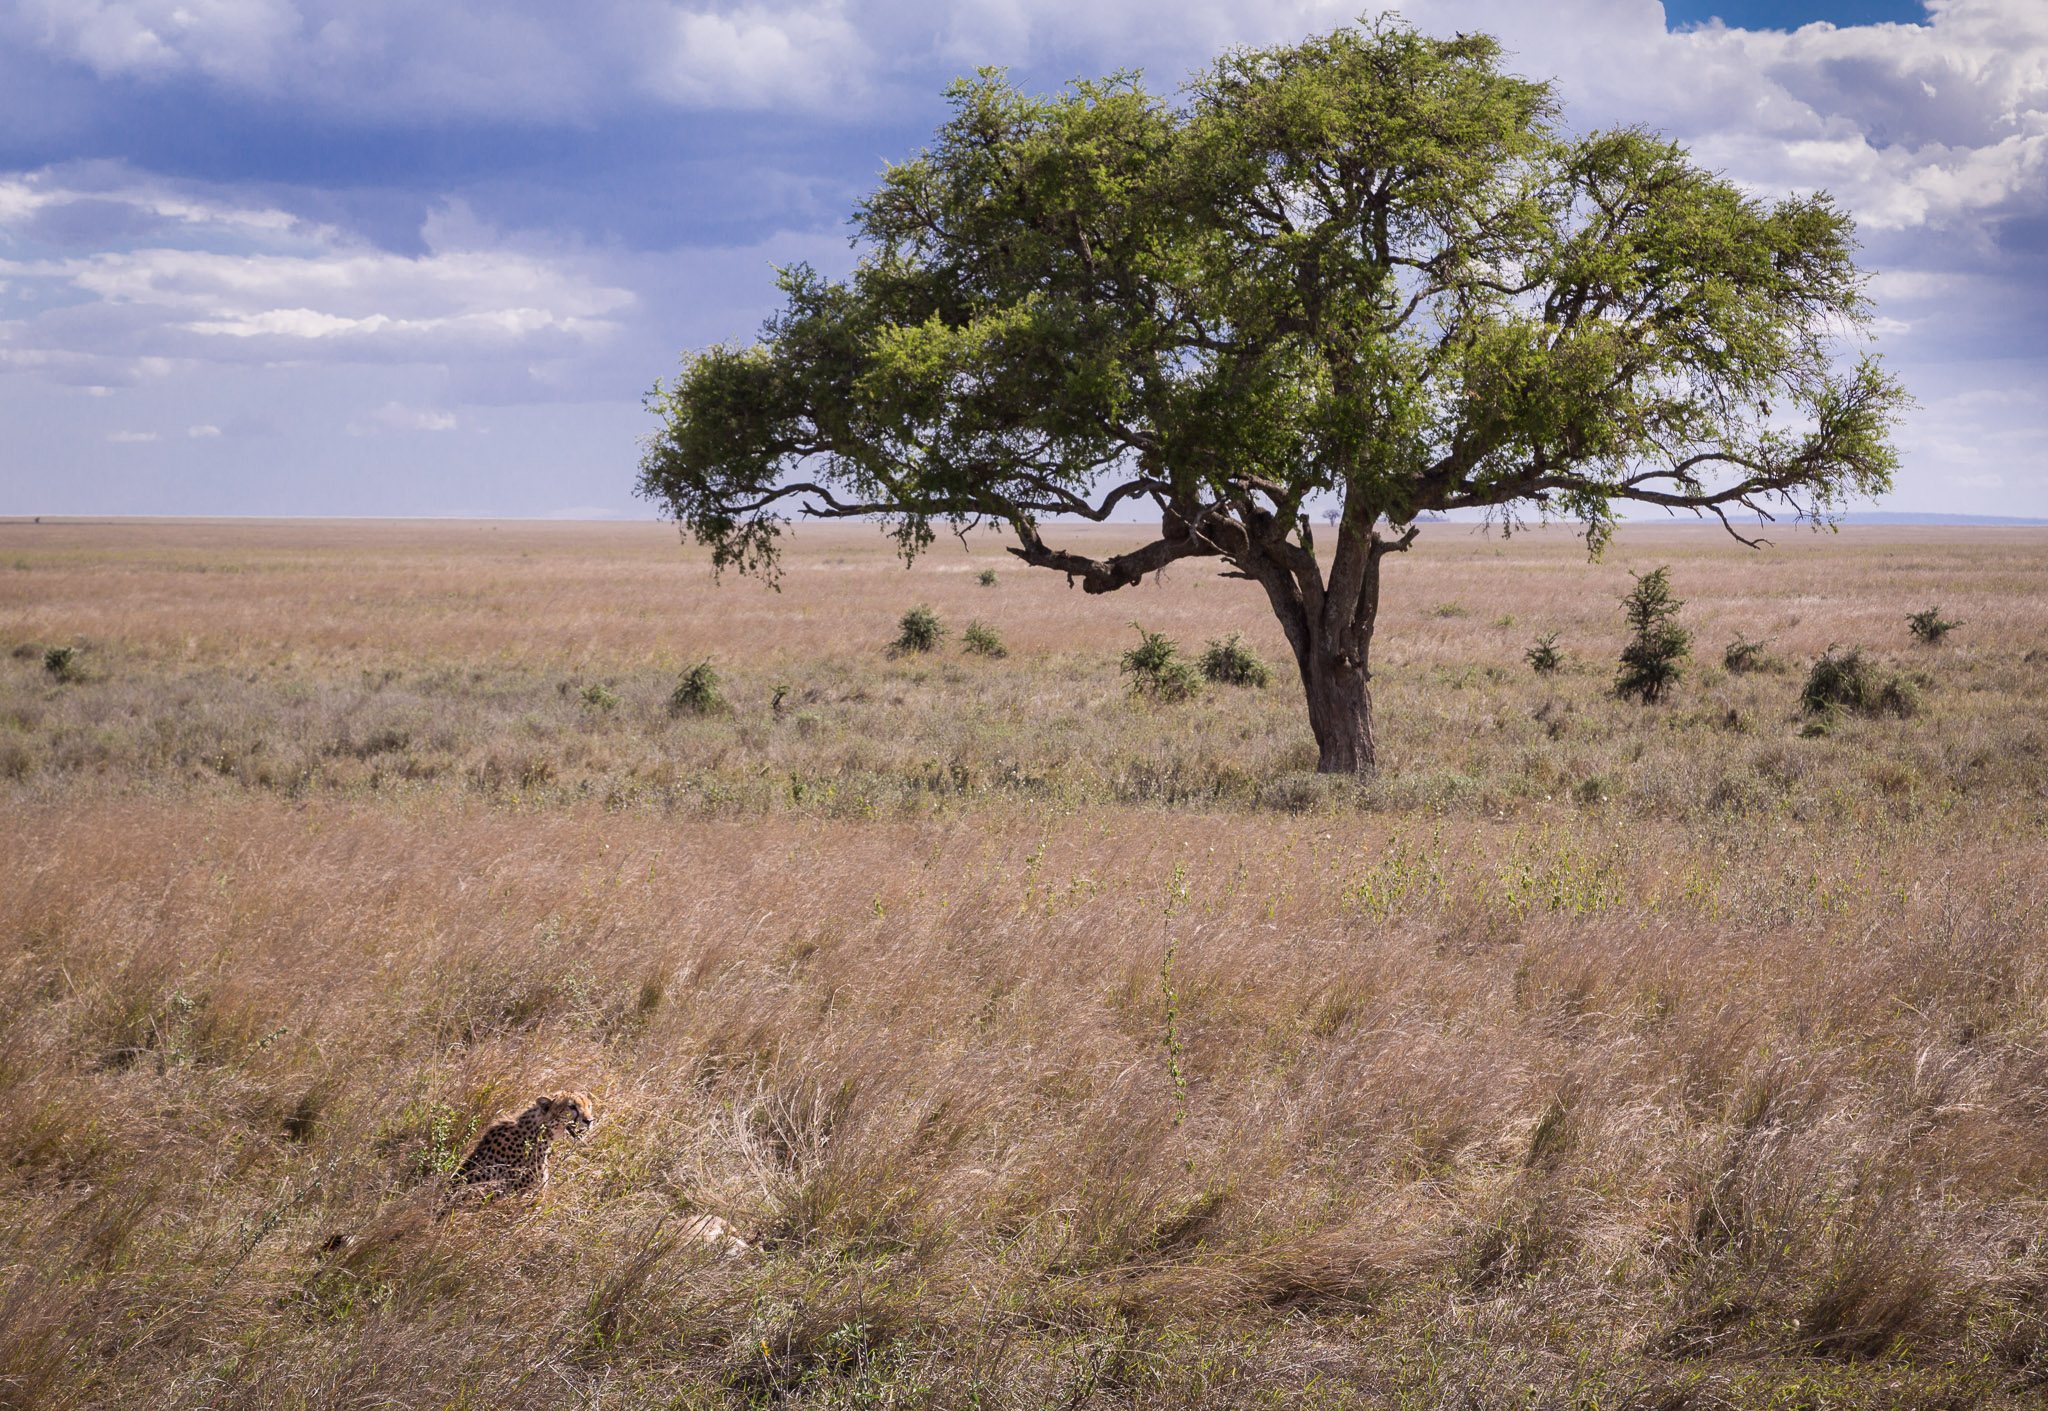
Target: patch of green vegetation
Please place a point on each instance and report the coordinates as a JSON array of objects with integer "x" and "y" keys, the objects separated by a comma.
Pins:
[
  {"x": 918, "y": 630},
  {"x": 1929, "y": 626},
  {"x": 1158, "y": 670},
  {"x": 1229, "y": 662},
  {"x": 980, "y": 639},
  {"x": 699, "y": 692},
  {"x": 1846, "y": 679},
  {"x": 1653, "y": 661}
]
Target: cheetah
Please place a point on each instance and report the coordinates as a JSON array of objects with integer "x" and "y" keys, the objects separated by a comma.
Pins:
[{"x": 511, "y": 1157}]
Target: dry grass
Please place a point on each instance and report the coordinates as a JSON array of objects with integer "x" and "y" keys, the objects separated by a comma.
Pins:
[
  {"x": 1593, "y": 1056},
  {"x": 468, "y": 659}
]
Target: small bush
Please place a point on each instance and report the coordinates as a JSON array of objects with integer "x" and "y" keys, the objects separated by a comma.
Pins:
[
  {"x": 697, "y": 693},
  {"x": 600, "y": 697},
  {"x": 1651, "y": 663},
  {"x": 1157, "y": 668},
  {"x": 1848, "y": 680},
  {"x": 1543, "y": 656},
  {"x": 1450, "y": 609},
  {"x": 1742, "y": 656},
  {"x": 1231, "y": 663},
  {"x": 980, "y": 639},
  {"x": 62, "y": 663},
  {"x": 1930, "y": 626},
  {"x": 986, "y": 578},
  {"x": 919, "y": 630}
]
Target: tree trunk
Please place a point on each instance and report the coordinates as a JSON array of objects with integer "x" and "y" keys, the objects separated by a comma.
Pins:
[
  {"x": 1339, "y": 711},
  {"x": 1332, "y": 637},
  {"x": 1328, "y": 621},
  {"x": 1330, "y": 629}
]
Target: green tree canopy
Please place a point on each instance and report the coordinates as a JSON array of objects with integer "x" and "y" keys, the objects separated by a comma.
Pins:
[{"x": 1369, "y": 267}]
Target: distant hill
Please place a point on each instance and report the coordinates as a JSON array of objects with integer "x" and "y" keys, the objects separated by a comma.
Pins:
[{"x": 1911, "y": 517}]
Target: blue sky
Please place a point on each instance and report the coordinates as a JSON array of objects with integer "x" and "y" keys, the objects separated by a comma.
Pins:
[{"x": 424, "y": 256}]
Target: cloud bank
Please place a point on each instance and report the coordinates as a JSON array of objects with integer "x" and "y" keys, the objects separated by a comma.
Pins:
[{"x": 367, "y": 227}]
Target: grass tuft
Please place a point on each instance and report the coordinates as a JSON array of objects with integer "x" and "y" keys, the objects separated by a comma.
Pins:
[
  {"x": 1157, "y": 669},
  {"x": 62, "y": 663},
  {"x": 980, "y": 639},
  {"x": 1846, "y": 679},
  {"x": 1227, "y": 661},
  {"x": 1743, "y": 656},
  {"x": 1929, "y": 626},
  {"x": 918, "y": 630},
  {"x": 700, "y": 692}
]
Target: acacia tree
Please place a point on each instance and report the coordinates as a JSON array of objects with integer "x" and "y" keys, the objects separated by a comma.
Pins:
[{"x": 1369, "y": 267}]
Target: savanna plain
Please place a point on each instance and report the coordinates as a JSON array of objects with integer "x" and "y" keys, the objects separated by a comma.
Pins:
[{"x": 1051, "y": 1044}]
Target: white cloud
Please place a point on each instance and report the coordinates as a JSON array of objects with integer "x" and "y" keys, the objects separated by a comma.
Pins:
[
  {"x": 31, "y": 203},
  {"x": 291, "y": 291},
  {"x": 1911, "y": 125},
  {"x": 200, "y": 433},
  {"x": 525, "y": 59},
  {"x": 1908, "y": 122},
  {"x": 224, "y": 37},
  {"x": 755, "y": 57},
  {"x": 126, "y": 438},
  {"x": 395, "y": 416}
]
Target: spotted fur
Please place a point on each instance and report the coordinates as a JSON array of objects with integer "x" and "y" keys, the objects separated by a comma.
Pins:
[{"x": 511, "y": 1157}]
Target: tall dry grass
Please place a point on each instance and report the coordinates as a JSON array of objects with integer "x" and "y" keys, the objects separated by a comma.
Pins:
[
  {"x": 1591, "y": 1057},
  {"x": 1578, "y": 1115}
]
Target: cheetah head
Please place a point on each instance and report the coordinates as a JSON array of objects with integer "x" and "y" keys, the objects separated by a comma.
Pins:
[{"x": 573, "y": 1112}]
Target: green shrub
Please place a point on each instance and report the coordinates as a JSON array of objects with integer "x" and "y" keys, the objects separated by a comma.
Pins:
[
  {"x": 986, "y": 578},
  {"x": 1450, "y": 609},
  {"x": 1930, "y": 626},
  {"x": 697, "y": 693},
  {"x": 1543, "y": 656},
  {"x": 1848, "y": 680},
  {"x": 980, "y": 639},
  {"x": 919, "y": 630},
  {"x": 1651, "y": 663},
  {"x": 600, "y": 697},
  {"x": 1232, "y": 663},
  {"x": 62, "y": 663},
  {"x": 1742, "y": 656},
  {"x": 1157, "y": 668}
]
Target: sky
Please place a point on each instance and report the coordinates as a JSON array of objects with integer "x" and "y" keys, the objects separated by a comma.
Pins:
[{"x": 425, "y": 257}]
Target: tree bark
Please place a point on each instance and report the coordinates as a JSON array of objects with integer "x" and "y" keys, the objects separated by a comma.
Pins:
[
  {"x": 1339, "y": 711},
  {"x": 1329, "y": 625}
]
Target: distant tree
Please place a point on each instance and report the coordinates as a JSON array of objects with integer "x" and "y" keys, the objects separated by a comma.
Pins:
[{"x": 1368, "y": 266}]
